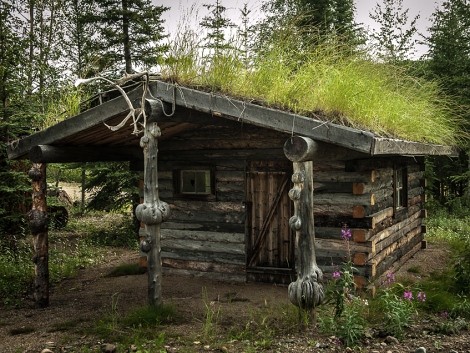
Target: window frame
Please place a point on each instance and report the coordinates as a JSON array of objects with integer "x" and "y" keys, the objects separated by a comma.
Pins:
[
  {"x": 400, "y": 188},
  {"x": 178, "y": 184}
]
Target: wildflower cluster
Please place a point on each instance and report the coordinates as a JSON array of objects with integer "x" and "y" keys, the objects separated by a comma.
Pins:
[
  {"x": 398, "y": 309},
  {"x": 348, "y": 322}
]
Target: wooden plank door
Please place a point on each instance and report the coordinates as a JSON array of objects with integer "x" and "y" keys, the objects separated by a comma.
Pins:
[{"x": 270, "y": 250}]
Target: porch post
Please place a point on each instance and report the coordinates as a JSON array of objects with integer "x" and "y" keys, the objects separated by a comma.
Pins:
[
  {"x": 38, "y": 221},
  {"x": 152, "y": 212},
  {"x": 307, "y": 291}
]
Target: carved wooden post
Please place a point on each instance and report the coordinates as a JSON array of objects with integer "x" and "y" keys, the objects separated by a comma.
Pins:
[
  {"x": 153, "y": 211},
  {"x": 307, "y": 291},
  {"x": 39, "y": 227}
]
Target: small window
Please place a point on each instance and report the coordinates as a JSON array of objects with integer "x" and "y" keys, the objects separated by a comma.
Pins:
[
  {"x": 400, "y": 193},
  {"x": 195, "y": 182}
]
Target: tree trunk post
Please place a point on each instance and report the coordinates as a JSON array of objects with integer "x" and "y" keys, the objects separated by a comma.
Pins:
[
  {"x": 307, "y": 291},
  {"x": 152, "y": 212},
  {"x": 39, "y": 228}
]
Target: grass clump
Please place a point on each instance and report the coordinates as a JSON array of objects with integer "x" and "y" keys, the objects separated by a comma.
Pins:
[{"x": 322, "y": 79}]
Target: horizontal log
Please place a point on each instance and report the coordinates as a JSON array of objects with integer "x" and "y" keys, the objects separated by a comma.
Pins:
[
  {"x": 204, "y": 266},
  {"x": 194, "y": 255},
  {"x": 209, "y": 226},
  {"x": 406, "y": 238},
  {"x": 216, "y": 276},
  {"x": 395, "y": 261},
  {"x": 377, "y": 238},
  {"x": 202, "y": 236},
  {"x": 230, "y": 176},
  {"x": 195, "y": 211},
  {"x": 77, "y": 154}
]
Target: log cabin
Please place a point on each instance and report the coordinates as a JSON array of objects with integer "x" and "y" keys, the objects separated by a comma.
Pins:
[{"x": 224, "y": 175}]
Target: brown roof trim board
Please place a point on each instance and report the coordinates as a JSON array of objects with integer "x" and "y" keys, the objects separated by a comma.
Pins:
[{"x": 222, "y": 106}]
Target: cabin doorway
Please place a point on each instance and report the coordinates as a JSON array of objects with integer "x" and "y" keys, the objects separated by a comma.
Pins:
[{"x": 270, "y": 243}]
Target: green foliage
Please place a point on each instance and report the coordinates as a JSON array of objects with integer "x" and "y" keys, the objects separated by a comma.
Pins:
[
  {"x": 216, "y": 24},
  {"x": 212, "y": 313},
  {"x": 394, "y": 41},
  {"x": 130, "y": 33},
  {"x": 397, "y": 312},
  {"x": 348, "y": 90},
  {"x": 112, "y": 185},
  {"x": 119, "y": 234},
  {"x": 319, "y": 18}
]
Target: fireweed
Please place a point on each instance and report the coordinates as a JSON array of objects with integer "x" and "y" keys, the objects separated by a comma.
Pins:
[
  {"x": 398, "y": 306},
  {"x": 348, "y": 322}
]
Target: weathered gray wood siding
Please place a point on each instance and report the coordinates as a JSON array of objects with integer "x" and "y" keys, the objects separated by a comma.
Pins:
[
  {"x": 208, "y": 237},
  {"x": 359, "y": 195}
]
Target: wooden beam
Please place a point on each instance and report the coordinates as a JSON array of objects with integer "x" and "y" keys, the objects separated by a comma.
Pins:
[
  {"x": 92, "y": 117},
  {"x": 71, "y": 154},
  {"x": 244, "y": 112},
  {"x": 39, "y": 228}
]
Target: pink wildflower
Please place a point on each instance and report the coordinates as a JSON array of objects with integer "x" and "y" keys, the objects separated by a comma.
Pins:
[
  {"x": 408, "y": 295},
  {"x": 421, "y": 296},
  {"x": 336, "y": 275},
  {"x": 346, "y": 233},
  {"x": 390, "y": 278}
]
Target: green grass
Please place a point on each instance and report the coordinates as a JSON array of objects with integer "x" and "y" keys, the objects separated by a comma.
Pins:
[
  {"x": 127, "y": 270},
  {"x": 83, "y": 243},
  {"x": 326, "y": 81}
]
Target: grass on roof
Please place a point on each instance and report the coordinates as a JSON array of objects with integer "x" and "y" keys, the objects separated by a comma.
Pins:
[{"x": 322, "y": 80}]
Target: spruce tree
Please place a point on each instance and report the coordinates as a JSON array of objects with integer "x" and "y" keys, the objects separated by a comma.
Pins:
[
  {"x": 130, "y": 33},
  {"x": 449, "y": 62},
  {"x": 216, "y": 24}
]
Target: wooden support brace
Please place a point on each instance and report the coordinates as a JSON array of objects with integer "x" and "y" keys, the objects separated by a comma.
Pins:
[
  {"x": 307, "y": 291},
  {"x": 152, "y": 212}
]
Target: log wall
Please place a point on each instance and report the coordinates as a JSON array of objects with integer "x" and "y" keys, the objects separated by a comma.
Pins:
[
  {"x": 210, "y": 237},
  {"x": 361, "y": 198}
]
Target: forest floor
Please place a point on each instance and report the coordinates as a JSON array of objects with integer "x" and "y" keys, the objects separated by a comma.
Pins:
[{"x": 78, "y": 303}]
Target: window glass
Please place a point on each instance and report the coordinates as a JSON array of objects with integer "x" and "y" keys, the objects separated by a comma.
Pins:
[{"x": 196, "y": 182}]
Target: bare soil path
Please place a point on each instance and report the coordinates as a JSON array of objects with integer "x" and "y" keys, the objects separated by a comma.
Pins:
[{"x": 77, "y": 303}]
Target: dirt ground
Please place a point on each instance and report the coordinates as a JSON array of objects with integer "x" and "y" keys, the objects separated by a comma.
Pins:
[{"x": 77, "y": 303}]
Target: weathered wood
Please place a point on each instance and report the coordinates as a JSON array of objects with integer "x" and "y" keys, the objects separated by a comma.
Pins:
[
  {"x": 383, "y": 146},
  {"x": 74, "y": 125},
  {"x": 153, "y": 211},
  {"x": 204, "y": 266},
  {"x": 307, "y": 291},
  {"x": 300, "y": 149},
  {"x": 38, "y": 221},
  {"x": 70, "y": 154}
]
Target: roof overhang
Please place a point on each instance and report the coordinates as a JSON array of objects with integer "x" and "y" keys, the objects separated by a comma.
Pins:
[{"x": 87, "y": 129}]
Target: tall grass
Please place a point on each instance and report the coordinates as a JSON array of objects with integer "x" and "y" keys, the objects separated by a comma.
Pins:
[{"x": 322, "y": 79}]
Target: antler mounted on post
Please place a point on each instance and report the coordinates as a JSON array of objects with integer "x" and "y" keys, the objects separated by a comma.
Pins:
[{"x": 307, "y": 291}]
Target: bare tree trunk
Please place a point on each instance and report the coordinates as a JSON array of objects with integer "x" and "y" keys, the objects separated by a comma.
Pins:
[
  {"x": 39, "y": 228},
  {"x": 125, "y": 37}
]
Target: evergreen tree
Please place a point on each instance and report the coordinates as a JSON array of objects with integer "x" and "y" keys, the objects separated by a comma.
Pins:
[
  {"x": 216, "y": 24},
  {"x": 13, "y": 180},
  {"x": 130, "y": 33},
  {"x": 394, "y": 41},
  {"x": 320, "y": 18},
  {"x": 449, "y": 61}
]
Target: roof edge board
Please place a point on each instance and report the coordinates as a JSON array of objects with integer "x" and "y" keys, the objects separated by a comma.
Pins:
[
  {"x": 389, "y": 146},
  {"x": 223, "y": 106},
  {"x": 87, "y": 119}
]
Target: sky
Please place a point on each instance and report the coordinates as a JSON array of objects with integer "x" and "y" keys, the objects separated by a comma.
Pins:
[{"x": 193, "y": 10}]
